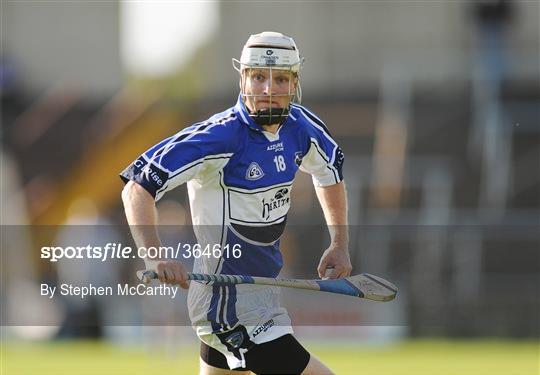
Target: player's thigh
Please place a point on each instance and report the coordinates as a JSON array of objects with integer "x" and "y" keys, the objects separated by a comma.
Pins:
[
  {"x": 206, "y": 369},
  {"x": 284, "y": 355},
  {"x": 316, "y": 367}
]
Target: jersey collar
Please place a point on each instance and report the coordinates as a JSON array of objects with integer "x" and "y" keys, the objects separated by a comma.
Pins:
[{"x": 244, "y": 114}]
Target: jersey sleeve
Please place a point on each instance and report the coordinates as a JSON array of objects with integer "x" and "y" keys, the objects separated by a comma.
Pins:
[
  {"x": 179, "y": 158},
  {"x": 324, "y": 158}
]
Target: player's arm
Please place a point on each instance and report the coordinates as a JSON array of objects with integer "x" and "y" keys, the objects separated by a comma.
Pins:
[
  {"x": 163, "y": 167},
  {"x": 333, "y": 200},
  {"x": 324, "y": 161},
  {"x": 141, "y": 215}
]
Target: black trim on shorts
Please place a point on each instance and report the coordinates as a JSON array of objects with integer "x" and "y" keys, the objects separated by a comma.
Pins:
[{"x": 284, "y": 355}]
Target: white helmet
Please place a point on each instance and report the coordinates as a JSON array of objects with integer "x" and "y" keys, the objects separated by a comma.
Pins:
[{"x": 271, "y": 50}]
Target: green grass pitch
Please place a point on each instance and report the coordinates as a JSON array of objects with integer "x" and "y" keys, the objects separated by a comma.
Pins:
[{"x": 418, "y": 357}]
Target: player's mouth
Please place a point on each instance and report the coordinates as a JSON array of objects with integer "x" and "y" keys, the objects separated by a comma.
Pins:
[{"x": 267, "y": 103}]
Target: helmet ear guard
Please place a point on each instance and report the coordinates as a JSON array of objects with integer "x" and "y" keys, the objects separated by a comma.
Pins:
[{"x": 272, "y": 51}]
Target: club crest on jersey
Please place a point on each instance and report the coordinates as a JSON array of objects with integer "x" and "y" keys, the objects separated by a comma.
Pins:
[
  {"x": 298, "y": 158},
  {"x": 254, "y": 172},
  {"x": 235, "y": 340}
]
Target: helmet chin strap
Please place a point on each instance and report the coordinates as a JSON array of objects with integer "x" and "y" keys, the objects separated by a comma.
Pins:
[{"x": 269, "y": 116}]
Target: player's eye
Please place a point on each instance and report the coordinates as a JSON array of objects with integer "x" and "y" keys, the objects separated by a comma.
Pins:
[
  {"x": 257, "y": 76},
  {"x": 282, "y": 80}
]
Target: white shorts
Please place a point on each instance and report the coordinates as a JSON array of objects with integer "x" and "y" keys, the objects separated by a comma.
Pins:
[{"x": 216, "y": 311}]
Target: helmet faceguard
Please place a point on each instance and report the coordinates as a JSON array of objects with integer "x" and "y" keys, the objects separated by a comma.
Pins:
[{"x": 274, "y": 58}]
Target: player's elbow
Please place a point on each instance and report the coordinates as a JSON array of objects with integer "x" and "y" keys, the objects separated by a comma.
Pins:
[
  {"x": 133, "y": 192},
  {"x": 126, "y": 192}
]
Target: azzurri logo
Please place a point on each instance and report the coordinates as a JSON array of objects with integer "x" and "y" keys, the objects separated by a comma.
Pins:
[
  {"x": 264, "y": 327},
  {"x": 275, "y": 147}
]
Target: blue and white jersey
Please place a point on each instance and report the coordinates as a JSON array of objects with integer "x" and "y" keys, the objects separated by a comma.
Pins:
[{"x": 239, "y": 180}]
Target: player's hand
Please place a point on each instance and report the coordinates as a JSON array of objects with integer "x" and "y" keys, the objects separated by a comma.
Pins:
[
  {"x": 336, "y": 257},
  {"x": 172, "y": 272}
]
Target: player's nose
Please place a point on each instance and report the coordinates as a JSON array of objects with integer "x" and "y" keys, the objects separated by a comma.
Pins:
[{"x": 268, "y": 87}]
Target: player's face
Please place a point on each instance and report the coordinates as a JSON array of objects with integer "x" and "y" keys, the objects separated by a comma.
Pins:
[{"x": 267, "y": 88}]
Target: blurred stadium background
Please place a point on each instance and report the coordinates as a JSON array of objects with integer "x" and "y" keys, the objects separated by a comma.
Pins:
[{"x": 436, "y": 105}]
